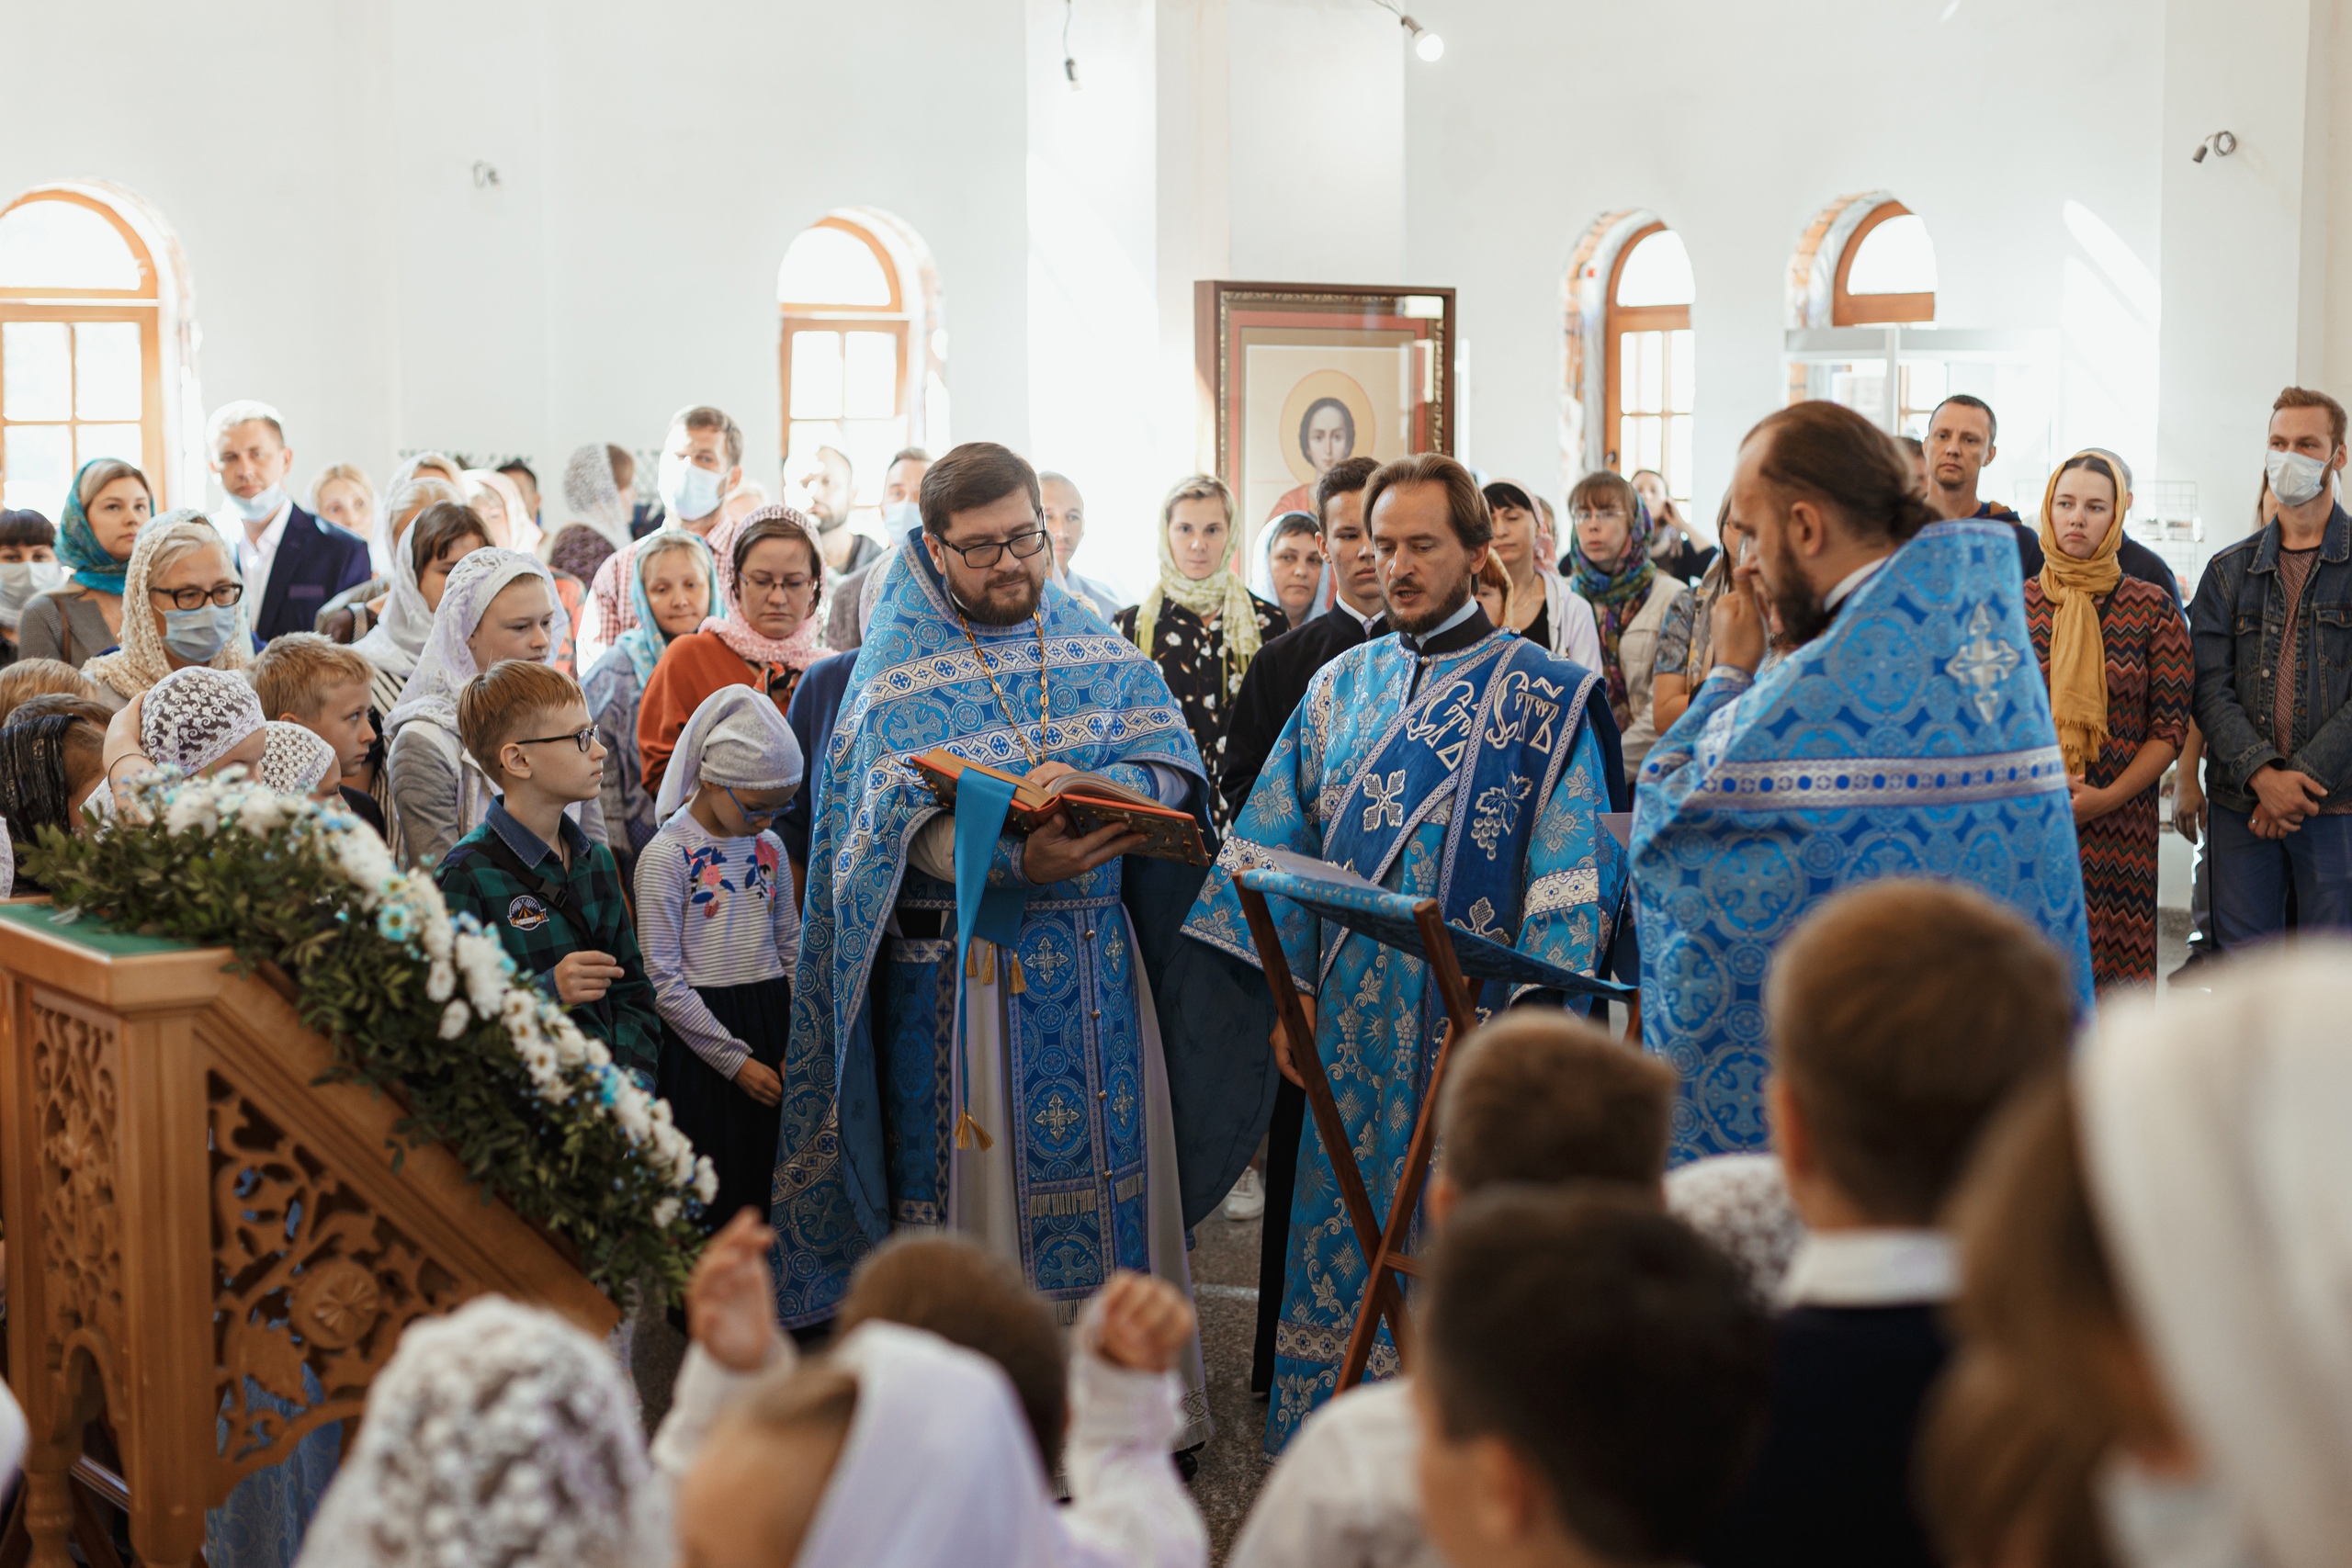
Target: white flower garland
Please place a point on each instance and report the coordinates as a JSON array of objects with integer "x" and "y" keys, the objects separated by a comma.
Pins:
[{"x": 566, "y": 1067}]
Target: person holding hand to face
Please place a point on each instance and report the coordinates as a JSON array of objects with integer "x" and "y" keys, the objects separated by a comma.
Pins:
[{"x": 2116, "y": 655}]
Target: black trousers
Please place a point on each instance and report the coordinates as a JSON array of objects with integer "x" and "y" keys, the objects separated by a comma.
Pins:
[{"x": 1283, "y": 1136}]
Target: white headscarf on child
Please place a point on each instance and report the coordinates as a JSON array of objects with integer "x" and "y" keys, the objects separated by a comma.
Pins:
[
  {"x": 193, "y": 718},
  {"x": 2213, "y": 1125},
  {"x": 938, "y": 1470},
  {"x": 736, "y": 739},
  {"x": 500, "y": 1434},
  {"x": 447, "y": 661},
  {"x": 298, "y": 760}
]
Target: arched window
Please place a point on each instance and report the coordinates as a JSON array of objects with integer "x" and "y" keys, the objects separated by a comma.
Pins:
[
  {"x": 1887, "y": 270},
  {"x": 1650, "y": 359},
  {"x": 1865, "y": 261},
  {"x": 84, "y": 343},
  {"x": 864, "y": 351}
]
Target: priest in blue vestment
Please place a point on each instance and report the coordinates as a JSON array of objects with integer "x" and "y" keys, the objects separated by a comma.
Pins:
[
  {"x": 974, "y": 1043},
  {"x": 1905, "y": 732},
  {"x": 1451, "y": 762}
]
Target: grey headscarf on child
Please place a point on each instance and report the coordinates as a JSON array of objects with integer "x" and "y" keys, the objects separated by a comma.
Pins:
[{"x": 736, "y": 739}]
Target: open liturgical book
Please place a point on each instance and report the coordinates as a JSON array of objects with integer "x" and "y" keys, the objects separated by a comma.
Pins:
[{"x": 1091, "y": 801}]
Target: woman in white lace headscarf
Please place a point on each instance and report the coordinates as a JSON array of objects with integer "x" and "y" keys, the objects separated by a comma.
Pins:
[
  {"x": 499, "y": 1437},
  {"x": 178, "y": 553},
  {"x": 200, "y": 719},
  {"x": 295, "y": 760},
  {"x": 499, "y": 604},
  {"x": 601, "y": 512},
  {"x": 500, "y": 501}
]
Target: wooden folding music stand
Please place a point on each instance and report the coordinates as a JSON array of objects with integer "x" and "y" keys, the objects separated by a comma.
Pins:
[{"x": 1416, "y": 927}]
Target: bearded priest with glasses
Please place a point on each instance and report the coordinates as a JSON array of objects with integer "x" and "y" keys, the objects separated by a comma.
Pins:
[
  {"x": 974, "y": 1041},
  {"x": 1453, "y": 762}
]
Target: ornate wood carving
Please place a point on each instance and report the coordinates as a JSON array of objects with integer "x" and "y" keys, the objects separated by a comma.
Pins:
[{"x": 78, "y": 1109}]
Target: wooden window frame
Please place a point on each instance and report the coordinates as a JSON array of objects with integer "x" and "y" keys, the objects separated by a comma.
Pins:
[
  {"x": 1618, "y": 320},
  {"x": 820, "y": 315},
  {"x": 1850, "y": 310},
  {"x": 882, "y": 258}
]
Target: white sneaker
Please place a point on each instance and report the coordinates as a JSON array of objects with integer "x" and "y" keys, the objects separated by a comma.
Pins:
[{"x": 1247, "y": 1198}]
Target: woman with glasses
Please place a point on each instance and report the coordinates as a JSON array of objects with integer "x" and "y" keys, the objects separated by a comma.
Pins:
[
  {"x": 498, "y": 605},
  {"x": 1609, "y": 566},
  {"x": 109, "y": 502},
  {"x": 770, "y": 578},
  {"x": 1199, "y": 623},
  {"x": 182, "y": 605}
]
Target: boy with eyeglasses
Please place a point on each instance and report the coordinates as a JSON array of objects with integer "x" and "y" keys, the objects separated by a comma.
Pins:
[{"x": 528, "y": 873}]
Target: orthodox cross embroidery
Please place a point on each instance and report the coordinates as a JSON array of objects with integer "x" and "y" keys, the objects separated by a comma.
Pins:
[{"x": 1983, "y": 663}]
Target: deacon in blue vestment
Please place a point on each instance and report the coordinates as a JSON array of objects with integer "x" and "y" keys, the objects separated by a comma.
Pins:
[
  {"x": 974, "y": 1043},
  {"x": 1450, "y": 762},
  {"x": 1905, "y": 733}
]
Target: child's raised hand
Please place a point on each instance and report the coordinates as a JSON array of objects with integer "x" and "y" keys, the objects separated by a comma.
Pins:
[
  {"x": 730, "y": 1307},
  {"x": 583, "y": 976},
  {"x": 1145, "y": 1323},
  {"x": 759, "y": 1082}
]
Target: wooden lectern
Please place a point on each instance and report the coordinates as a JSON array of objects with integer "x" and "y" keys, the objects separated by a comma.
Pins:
[{"x": 188, "y": 1210}]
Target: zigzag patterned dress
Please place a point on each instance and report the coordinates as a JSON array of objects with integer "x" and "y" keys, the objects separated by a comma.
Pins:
[{"x": 2150, "y": 671}]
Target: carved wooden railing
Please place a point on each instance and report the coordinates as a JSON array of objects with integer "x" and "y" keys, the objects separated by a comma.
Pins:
[{"x": 188, "y": 1209}]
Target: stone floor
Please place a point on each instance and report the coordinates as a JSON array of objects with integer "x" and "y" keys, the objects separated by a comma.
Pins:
[{"x": 1225, "y": 1293}]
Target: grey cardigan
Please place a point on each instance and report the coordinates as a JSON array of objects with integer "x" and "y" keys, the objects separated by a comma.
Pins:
[{"x": 63, "y": 624}]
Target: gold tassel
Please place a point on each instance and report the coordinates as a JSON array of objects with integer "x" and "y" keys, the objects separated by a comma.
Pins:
[
  {"x": 1014, "y": 981},
  {"x": 972, "y": 962},
  {"x": 967, "y": 1130},
  {"x": 987, "y": 950}
]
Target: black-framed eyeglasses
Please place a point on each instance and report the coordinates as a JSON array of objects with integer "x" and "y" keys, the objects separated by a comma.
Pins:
[
  {"x": 584, "y": 736},
  {"x": 223, "y": 595},
  {"x": 1022, "y": 546}
]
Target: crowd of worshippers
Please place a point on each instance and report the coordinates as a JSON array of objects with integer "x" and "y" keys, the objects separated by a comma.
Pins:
[{"x": 1892, "y": 763}]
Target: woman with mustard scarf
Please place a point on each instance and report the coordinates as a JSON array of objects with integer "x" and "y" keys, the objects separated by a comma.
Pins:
[
  {"x": 2117, "y": 657},
  {"x": 1201, "y": 624}
]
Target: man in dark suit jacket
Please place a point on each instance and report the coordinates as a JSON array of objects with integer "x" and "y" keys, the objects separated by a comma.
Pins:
[
  {"x": 291, "y": 562},
  {"x": 1887, "y": 1074}
]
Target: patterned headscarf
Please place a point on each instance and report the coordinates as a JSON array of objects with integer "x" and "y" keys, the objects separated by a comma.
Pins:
[
  {"x": 594, "y": 497},
  {"x": 34, "y": 791},
  {"x": 805, "y": 646},
  {"x": 77, "y": 542},
  {"x": 141, "y": 661},
  {"x": 194, "y": 718},
  {"x": 297, "y": 760},
  {"x": 1220, "y": 593},
  {"x": 1616, "y": 594},
  {"x": 447, "y": 661},
  {"x": 644, "y": 641}
]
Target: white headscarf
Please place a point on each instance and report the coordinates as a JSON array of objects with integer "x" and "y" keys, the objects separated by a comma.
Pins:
[
  {"x": 447, "y": 663},
  {"x": 2214, "y": 1138},
  {"x": 393, "y": 644},
  {"x": 497, "y": 1434},
  {"x": 298, "y": 760},
  {"x": 520, "y": 532},
  {"x": 140, "y": 663},
  {"x": 193, "y": 718},
  {"x": 595, "y": 498},
  {"x": 737, "y": 738},
  {"x": 1741, "y": 1202},
  {"x": 938, "y": 1470}
]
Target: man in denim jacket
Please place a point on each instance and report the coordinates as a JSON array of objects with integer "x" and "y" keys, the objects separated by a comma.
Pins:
[{"x": 2272, "y": 624}]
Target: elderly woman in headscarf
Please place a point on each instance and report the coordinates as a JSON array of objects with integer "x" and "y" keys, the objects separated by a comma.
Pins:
[
  {"x": 1199, "y": 623},
  {"x": 672, "y": 589},
  {"x": 1289, "y": 571},
  {"x": 1609, "y": 565},
  {"x": 2155, "y": 1360},
  {"x": 499, "y": 604},
  {"x": 770, "y": 578},
  {"x": 2117, "y": 659},
  {"x": 181, "y": 606},
  {"x": 108, "y": 503},
  {"x": 1542, "y": 609}
]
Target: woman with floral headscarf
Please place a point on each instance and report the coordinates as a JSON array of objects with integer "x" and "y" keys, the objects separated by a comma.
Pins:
[
  {"x": 672, "y": 589},
  {"x": 109, "y": 502},
  {"x": 1199, "y": 623},
  {"x": 1610, "y": 566}
]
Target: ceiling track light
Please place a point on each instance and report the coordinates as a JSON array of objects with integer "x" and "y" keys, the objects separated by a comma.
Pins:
[{"x": 1426, "y": 44}]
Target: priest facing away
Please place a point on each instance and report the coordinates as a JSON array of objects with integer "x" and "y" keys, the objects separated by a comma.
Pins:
[
  {"x": 1450, "y": 762},
  {"x": 974, "y": 1045},
  {"x": 1903, "y": 730}
]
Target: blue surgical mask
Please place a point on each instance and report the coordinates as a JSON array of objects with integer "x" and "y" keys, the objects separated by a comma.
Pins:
[
  {"x": 2295, "y": 478},
  {"x": 197, "y": 635},
  {"x": 901, "y": 515},
  {"x": 687, "y": 490},
  {"x": 260, "y": 508}
]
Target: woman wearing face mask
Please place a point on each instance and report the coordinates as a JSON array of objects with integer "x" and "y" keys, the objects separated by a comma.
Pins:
[
  {"x": 183, "y": 606},
  {"x": 1674, "y": 543},
  {"x": 1199, "y": 623},
  {"x": 499, "y": 604},
  {"x": 771, "y": 577},
  {"x": 27, "y": 566},
  {"x": 1290, "y": 567},
  {"x": 1544, "y": 609},
  {"x": 108, "y": 503},
  {"x": 673, "y": 588},
  {"x": 2116, "y": 660},
  {"x": 1609, "y": 564}
]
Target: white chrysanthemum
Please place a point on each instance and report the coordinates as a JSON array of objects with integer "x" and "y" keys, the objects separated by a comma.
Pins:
[
  {"x": 187, "y": 814},
  {"x": 477, "y": 954},
  {"x": 520, "y": 1012},
  {"x": 454, "y": 1019},
  {"x": 259, "y": 812},
  {"x": 667, "y": 1209},
  {"x": 705, "y": 1181},
  {"x": 440, "y": 981},
  {"x": 662, "y": 1113}
]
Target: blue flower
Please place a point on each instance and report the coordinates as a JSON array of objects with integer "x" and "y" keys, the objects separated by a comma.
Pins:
[{"x": 396, "y": 923}]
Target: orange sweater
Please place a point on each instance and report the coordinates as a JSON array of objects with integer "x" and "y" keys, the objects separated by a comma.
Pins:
[{"x": 692, "y": 668}]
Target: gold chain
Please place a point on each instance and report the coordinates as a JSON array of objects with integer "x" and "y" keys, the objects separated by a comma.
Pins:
[{"x": 1045, "y": 693}]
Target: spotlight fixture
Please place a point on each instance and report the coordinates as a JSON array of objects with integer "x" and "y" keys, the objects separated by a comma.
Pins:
[
  {"x": 1069, "y": 60},
  {"x": 1426, "y": 44},
  {"x": 2221, "y": 141}
]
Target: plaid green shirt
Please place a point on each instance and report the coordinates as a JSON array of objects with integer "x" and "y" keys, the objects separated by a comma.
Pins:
[{"x": 536, "y": 937}]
